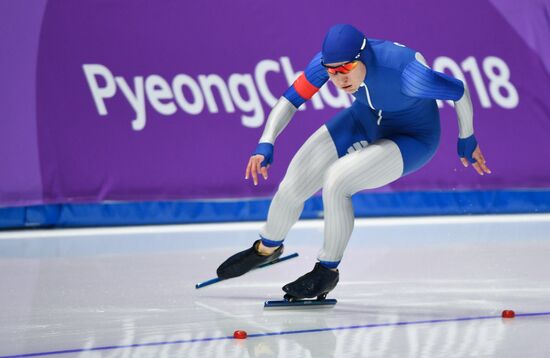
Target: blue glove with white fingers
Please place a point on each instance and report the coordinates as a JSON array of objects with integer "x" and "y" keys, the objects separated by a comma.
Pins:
[
  {"x": 265, "y": 149},
  {"x": 466, "y": 147}
]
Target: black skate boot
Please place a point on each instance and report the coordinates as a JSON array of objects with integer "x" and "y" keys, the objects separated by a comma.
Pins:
[
  {"x": 317, "y": 283},
  {"x": 246, "y": 260}
]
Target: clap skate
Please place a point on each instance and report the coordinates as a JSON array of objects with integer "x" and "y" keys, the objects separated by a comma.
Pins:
[
  {"x": 315, "y": 284},
  {"x": 244, "y": 261}
]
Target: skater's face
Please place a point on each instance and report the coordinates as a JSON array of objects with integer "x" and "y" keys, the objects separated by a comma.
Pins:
[{"x": 347, "y": 75}]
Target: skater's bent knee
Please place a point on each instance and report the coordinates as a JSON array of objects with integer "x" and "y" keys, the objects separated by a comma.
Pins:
[
  {"x": 335, "y": 184},
  {"x": 290, "y": 192}
]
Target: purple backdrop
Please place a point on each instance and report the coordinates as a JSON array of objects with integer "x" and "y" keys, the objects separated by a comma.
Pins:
[{"x": 201, "y": 76}]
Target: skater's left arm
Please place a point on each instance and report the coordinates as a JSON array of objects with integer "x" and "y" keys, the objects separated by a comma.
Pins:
[
  {"x": 422, "y": 82},
  {"x": 467, "y": 146}
]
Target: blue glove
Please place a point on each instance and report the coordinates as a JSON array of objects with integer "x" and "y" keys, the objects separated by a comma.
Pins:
[
  {"x": 466, "y": 147},
  {"x": 265, "y": 149}
]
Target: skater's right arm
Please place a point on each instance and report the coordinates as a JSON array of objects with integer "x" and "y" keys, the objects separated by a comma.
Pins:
[{"x": 303, "y": 88}]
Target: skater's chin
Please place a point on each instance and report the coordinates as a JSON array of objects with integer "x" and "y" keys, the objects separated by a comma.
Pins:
[{"x": 350, "y": 89}]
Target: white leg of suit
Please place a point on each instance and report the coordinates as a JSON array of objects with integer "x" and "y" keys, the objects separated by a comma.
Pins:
[
  {"x": 303, "y": 178},
  {"x": 378, "y": 164}
]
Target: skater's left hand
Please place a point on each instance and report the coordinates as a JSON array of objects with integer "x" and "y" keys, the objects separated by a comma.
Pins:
[
  {"x": 469, "y": 152},
  {"x": 479, "y": 164}
]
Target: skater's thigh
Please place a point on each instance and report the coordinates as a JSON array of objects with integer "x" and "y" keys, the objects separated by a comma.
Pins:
[
  {"x": 416, "y": 150},
  {"x": 313, "y": 158},
  {"x": 378, "y": 164}
]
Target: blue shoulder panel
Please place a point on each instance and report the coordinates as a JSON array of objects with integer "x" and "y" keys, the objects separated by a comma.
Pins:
[
  {"x": 421, "y": 82},
  {"x": 391, "y": 54}
]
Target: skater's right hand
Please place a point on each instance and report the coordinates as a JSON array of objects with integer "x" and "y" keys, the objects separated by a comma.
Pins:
[
  {"x": 254, "y": 167},
  {"x": 259, "y": 162}
]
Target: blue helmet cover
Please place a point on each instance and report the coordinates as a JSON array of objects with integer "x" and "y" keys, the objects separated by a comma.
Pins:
[{"x": 342, "y": 43}]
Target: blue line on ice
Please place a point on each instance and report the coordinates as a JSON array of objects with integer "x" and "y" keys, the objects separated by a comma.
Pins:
[{"x": 255, "y": 335}]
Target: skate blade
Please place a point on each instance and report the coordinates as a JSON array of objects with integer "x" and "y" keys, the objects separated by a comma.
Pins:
[
  {"x": 328, "y": 303},
  {"x": 276, "y": 261}
]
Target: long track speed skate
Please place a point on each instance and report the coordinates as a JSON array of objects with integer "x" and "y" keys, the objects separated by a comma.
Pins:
[
  {"x": 245, "y": 261},
  {"x": 310, "y": 290}
]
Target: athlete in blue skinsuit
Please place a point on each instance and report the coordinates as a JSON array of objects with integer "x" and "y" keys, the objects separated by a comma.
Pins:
[{"x": 391, "y": 129}]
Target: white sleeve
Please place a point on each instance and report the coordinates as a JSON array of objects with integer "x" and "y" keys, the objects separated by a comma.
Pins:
[
  {"x": 280, "y": 116},
  {"x": 465, "y": 114},
  {"x": 463, "y": 107}
]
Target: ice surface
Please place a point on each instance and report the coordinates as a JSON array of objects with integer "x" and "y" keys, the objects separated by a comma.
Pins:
[{"x": 426, "y": 287}]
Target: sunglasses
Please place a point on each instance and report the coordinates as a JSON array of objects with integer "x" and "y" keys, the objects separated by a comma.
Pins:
[{"x": 344, "y": 68}]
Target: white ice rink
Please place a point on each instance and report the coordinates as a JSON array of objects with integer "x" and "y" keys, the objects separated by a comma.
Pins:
[{"x": 424, "y": 287}]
